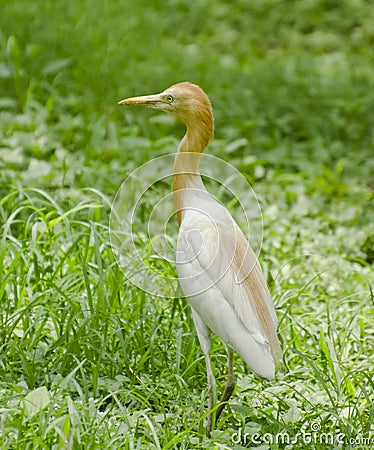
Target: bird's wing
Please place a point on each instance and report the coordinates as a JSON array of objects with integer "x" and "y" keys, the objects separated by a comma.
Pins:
[
  {"x": 220, "y": 271},
  {"x": 246, "y": 290}
]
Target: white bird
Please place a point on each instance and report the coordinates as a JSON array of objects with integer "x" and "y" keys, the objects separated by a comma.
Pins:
[{"x": 218, "y": 271}]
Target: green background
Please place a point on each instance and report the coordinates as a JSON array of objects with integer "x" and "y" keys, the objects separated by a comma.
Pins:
[{"x": 89, "y": 361}]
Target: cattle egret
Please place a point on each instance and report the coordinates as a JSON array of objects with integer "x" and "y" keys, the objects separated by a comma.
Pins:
[{"x": 218, "y": 271}]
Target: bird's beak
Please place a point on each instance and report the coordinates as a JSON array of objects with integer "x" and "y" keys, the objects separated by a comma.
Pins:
[{"x": 146, "y": 100}]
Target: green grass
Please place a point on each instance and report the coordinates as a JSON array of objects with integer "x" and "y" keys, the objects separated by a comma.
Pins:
[{"x": 87, "y": 360}]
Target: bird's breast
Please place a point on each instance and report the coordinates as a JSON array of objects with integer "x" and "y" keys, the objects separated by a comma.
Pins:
[{"x": 200, "y": 247}]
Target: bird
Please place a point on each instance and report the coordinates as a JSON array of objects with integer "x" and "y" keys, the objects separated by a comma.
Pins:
[{"x": 218, "y": 271}]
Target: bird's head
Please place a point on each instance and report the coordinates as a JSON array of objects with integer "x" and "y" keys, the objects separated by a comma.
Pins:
[{"x": 185, "y": 100}]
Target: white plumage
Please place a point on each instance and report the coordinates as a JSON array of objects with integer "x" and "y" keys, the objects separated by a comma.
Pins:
[{"x": 206, "y": 269}]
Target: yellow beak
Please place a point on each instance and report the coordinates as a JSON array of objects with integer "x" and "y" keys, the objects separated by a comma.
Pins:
[{"x": 146, "y": 100}]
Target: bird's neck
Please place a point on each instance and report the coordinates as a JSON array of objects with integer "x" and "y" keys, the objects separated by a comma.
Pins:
[{"x": 186, "y": 168}]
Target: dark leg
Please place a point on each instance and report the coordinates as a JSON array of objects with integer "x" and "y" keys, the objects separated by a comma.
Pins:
[{"x": 229, "y": 386}]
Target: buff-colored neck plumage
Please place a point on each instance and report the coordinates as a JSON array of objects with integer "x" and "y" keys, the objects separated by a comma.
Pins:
[{"x": 197, "y": 115}]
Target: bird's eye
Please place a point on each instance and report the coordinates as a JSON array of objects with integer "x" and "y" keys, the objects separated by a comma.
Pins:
[{"x": 169, "y": 98}]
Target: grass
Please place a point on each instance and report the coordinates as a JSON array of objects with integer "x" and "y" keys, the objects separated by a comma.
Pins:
[{"x": 88, "y": 360}]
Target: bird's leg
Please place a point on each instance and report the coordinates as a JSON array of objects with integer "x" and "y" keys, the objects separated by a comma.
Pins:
[
  {"x": 229, "y": 386},
  {"x": 203, "y": 333},
  {"x": 211, "y": 394}
]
